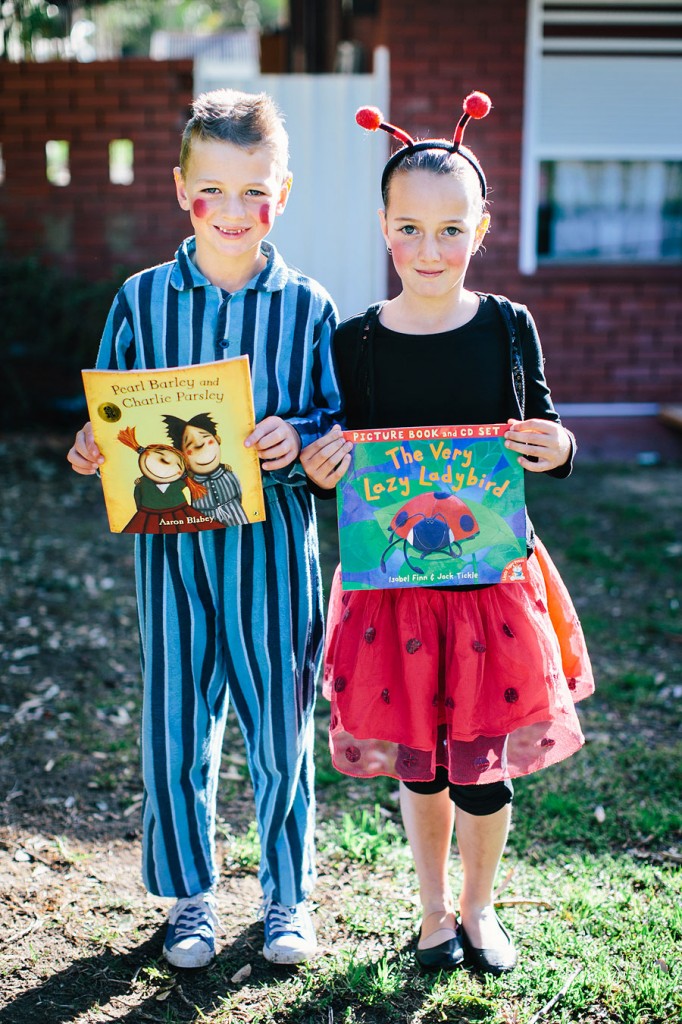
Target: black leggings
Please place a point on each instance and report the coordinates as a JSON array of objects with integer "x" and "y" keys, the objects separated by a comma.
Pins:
[{"x": 486, "y": 798}]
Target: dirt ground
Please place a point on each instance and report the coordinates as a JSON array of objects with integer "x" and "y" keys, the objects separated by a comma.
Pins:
[
  {"x": 69, "y": 776},
  {"x": 70, "y": 790},
  {"x": 75, "y": 921}
]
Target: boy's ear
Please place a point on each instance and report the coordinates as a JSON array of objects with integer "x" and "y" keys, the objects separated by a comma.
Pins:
[
  {"x": 284, "y": 194},
  {"x": 180, "y": 189}
]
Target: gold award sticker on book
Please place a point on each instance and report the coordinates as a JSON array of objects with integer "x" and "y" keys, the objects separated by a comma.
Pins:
[
  {"x": 173, "y": 447},
  {"x": 109, "y": 412}
]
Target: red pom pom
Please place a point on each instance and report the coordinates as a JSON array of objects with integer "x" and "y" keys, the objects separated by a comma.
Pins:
[
  {"x": 369, "y": 118},
  {"x": 477, "y": 104}
]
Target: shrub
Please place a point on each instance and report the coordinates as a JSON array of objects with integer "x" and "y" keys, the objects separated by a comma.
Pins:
[{"x": 49, "y": 330}]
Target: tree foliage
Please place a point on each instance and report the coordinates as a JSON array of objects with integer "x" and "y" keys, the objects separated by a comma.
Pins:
[{"x": 26, "y": 24}]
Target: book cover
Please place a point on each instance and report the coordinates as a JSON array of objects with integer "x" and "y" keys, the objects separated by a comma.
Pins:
[
  {"x": 431, "y": 506},
  {"x": 173, "y": 443}
]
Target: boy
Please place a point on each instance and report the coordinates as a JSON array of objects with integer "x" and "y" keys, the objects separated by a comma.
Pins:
[
  {"x": 199, "y": 442},
  {"x": 234, "y": 611}
]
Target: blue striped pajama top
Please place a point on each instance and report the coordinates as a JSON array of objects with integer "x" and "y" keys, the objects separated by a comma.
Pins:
[{"x": 234, "y": 612}]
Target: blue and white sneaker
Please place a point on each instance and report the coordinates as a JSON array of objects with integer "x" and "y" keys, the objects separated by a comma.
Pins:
[
  {"x": 289, "y": 933},
  {"x": 190, "y": 938}
]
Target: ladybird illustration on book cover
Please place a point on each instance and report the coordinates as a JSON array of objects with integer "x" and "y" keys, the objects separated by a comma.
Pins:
[
  {"x": 173, "y": 444},
  {"x": 431, "y": 506}
]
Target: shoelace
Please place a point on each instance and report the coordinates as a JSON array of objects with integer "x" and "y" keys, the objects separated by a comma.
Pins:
[
  {"x": 281, "y": 918},
  {"x": 194, "y": 915}
]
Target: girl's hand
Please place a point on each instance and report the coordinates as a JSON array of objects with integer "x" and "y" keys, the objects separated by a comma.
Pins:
[
  {"x": 548, "y": 442},
  {"x": 276, "y": 441},
  {"x": 84, "y": 455},
  {"x": 327, "y": 459}
]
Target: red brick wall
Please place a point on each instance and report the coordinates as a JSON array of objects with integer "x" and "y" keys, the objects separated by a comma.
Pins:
[
  {"x": 609, "y": 335},
  {"x": 91, "y": 225}
]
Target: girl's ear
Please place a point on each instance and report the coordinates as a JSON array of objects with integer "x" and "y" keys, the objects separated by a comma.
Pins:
[
  {"x": 180, "y": 189},
  {"x": 384, "y": 227},
  {"x": 481, "y": 230}
]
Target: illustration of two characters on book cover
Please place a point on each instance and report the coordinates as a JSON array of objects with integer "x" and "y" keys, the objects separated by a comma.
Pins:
[
  {"x": 431, "y": 506},
  {"x": 173, "y": 445}
]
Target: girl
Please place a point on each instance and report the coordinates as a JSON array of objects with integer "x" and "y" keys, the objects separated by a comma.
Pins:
[
  {"x": 493, "y": 678},
  {"x": 160, "y": 492}
]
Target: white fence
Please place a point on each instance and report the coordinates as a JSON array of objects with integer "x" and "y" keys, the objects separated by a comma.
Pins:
[{"x": 330, "y": 229}]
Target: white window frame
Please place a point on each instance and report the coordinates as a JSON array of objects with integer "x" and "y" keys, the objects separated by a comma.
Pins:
[{"x": 645, "y": 138}]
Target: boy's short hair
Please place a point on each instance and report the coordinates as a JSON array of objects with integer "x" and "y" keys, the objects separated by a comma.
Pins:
[
  {"x": 244, "y": 119},
  {"x": 175, "y": 427}
]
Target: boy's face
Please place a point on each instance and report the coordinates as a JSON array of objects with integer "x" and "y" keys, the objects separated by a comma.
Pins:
[
  {"x": 233, "y": 196},
  {"x": 201, "y": 450}
]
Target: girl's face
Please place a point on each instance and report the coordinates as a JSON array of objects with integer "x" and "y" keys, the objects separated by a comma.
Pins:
[
  {"x": 162, "y": 465},
  {"x": 433, "y": 225}
]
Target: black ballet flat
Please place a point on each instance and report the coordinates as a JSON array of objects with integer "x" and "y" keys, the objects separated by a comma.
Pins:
[
  {"x": 495, "y": 960},
  {"x": 446, "y": 956}
]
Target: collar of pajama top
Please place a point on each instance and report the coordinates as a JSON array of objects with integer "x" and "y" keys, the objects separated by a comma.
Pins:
[{"x": 186, "y": 274}]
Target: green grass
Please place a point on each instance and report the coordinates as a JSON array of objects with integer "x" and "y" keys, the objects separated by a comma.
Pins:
[
  {"x": 241, "y": 851},
  {"x": 362, "y": 836},
  {"x": 590, "y": 882},
  {"x": 616, "y": 921},
  {"x": 637, "y": 787}
]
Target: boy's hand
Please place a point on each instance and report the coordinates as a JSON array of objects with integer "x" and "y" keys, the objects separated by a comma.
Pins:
[
  {"x": 327, "y": 459},
  {"x": 549, "y": 442},
  {"x": 84, "y": 456},
  {"x": 276, "y": 441}
]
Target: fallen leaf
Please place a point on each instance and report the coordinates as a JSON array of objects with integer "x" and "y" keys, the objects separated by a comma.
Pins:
[{"x": 241, "y": 974}]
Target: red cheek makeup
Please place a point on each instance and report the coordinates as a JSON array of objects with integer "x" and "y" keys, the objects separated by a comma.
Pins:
[
  {"x": 265, "y": 213},
  {"x": 199, "y": 207}
]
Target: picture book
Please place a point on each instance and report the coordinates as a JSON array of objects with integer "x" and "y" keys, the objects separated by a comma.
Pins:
[
  {"x": 431, "y": 506},
  {"x": 173, "y": 444}
]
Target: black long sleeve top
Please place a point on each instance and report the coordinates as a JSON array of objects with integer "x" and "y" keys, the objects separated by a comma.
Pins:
[{"x": 461, "y": 376}]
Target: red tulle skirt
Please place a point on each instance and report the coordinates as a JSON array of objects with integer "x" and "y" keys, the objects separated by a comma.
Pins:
[{"x": 483, "y": 681}]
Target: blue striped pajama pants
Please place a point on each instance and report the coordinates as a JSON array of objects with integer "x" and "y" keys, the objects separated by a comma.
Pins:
[{"x": 230, "y": 614}]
